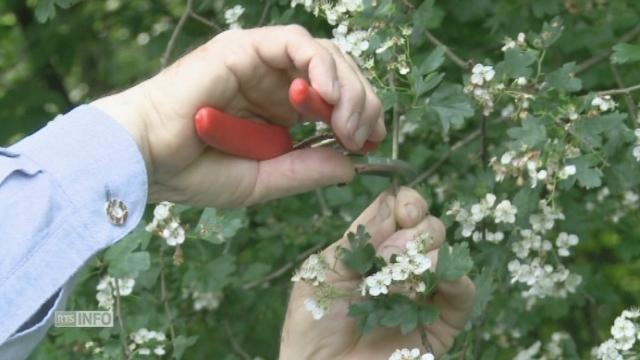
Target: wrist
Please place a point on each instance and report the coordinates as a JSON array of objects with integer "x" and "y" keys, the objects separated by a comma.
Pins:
[{"x": 127, "y": 109}]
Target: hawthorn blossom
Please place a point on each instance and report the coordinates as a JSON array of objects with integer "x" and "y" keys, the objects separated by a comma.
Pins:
[
  {"x": 317, "y": 309},
  {"x": 604, "y": 103},
  {"x": 313, "y": 270},
  {"x": 410, "y": 354},
  {"x": 143, "y": 340},
  {"x": 505, "y": 212},
  {"x": 232, "y": 15},
  {"x": 481, "y": 74},
  {"x": 107, "y": 290}
]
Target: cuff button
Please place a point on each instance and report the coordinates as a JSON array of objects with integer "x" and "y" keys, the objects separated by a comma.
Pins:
[{"x": 117, "y": 211}]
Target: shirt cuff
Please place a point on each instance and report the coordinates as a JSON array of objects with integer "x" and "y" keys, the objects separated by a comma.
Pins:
[
  {"x": 90, "y": 159},
  {"x": 94, "y": 160}
]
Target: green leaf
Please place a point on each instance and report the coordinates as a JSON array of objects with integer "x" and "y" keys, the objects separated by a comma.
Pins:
[
  {"x": 213, "y": 276},
  {"x": 366, "y": 317},
  {"x": 427, "y": 16},
  {"x": 516, "y": 62},
  {"x": 181, "y": 343},
  {"x": 423, "y": 85},
  {"x": 427, "y": 313},
  {"x": 450, "y": 104},
  {"x": 563, "y": 78},
  {"x": 433, "y": 61},
  {"x": 402, "y": 312},
  {"x": 625, "y": 53},
  {"x": 388, "y": 99},
  {"x": 454, "y": 262},
  {"x": 485, "y": 287},
  {"x": 45, "y": 10},
  {"x": 551, "y": 32},
  {"x": 123, "y": 261},
  {"x": 590, "y": 130},
  {"x": 217, "y": 226},
  {"x": 532, "y": 132},
  {"x": 588, "y": 176},
  {"x": 361, "y": 255}
]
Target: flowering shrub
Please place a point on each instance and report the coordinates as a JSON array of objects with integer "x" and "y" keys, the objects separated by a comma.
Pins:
[{"x": 521, "y": 119}]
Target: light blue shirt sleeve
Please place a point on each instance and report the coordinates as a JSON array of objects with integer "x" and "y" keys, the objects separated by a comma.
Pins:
[{"x": 54, "y": 186}]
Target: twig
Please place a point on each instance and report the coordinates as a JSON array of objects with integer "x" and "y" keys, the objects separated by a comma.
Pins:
[
  {"x": 424, "y": 339},
  {"x": 210, "y": 23},
  {"x": 395, "y": 146},
  {"x": 630, "y": 35},
  {"x": 234, "y": 343},
  {"x": 174, "y": 36},
  {"x": 164, "y": 296},
  {"x": 123, "y": 334},
  {"x": 284, "y": 268},
  {"x": 620, "y": 91},
  {"x": 633, "y": 110},
  {"x": 323, "y": 203},
  {"x": 450, "y": 54},
  {"x": 430, "y": 171},
  {"x": 265, "y": 13}
]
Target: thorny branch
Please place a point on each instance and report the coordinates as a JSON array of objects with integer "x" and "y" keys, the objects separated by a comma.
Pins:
[
  {"x": 465, "y": 64},
  {"x": 164, "y": 61},
  {"x": 620, "y": 91}
]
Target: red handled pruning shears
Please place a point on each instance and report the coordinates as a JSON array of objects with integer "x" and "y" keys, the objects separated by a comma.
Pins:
[{"x": 261, "y": 141}]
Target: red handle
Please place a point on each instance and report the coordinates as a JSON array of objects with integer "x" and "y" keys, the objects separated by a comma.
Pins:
[
  {"x": 241, "y": 137},
  {"x": 260, "y": 141},
  {"x": 307, "y": 101}
]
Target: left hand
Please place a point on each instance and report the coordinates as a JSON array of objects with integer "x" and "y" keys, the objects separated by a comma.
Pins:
[{"x": 391, "y": 224}]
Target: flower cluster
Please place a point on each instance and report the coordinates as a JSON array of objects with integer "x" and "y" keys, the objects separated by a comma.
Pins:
[
  {"x": 628, "y": 200},
  {"x": 520, "y": 42},
  {"x": 529, "y": 164},
  {"x": 504, "y": 212},
  {"x": 636, "y": 148},
  {"x": 404, "y": 270},
  {"x": 144, "y": 342},
  {"x": 313, "y": 271},
  {"x": 553, "y": 350},
  {"x": 625, "y": 334},
  {"x": 410, "y": 354},
  {"x": 603, "y": 103},
  {"x": 532, "y": 250},
  {"x": 166, "y": 225},
  {"x": 208, "y": 300},
  {"x": 232, "y": 15},
  {"x": 480, "y": 86},
  {"x": 108, "y": 287}
]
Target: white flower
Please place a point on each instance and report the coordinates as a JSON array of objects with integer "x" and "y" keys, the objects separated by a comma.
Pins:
[
  {"x": 636, "y": 153},
  {"x": 564, "y": 242},
  {"x": 144, "y": 351},
  {"x": 159, "y": 350},
  {"x": 521, "y": 81},
  {"x": 232, "y": 15},
  {"x": 313, "y": 270},
  {"x": 508, "y": 44},
  {"x": 567, "y": 171},
  {"x": 378, "y": 283},
  {"x": 521, "y": 39},
  {"x": 316, "y": 309},
  {"x": 604, "y": 103},
  {"x": 483, "y": 209},
  {"x": 209, "y": 300},
  {"x": 173, "y": 233},
  {"x": 529, "y": 353},
  {"x": 506, "y": 158},
  {"x": 106, "y": 290},
  {"x": 505, "y": 212},
  {"x": 607, "y": 351},
  {"x": 162, "y": 211},
  {"x": 410, "y": 354},
  {"x": 481, "y": 74}
]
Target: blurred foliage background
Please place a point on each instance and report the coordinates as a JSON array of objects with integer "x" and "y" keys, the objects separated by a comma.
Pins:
[{"x": 57, "y": 54}]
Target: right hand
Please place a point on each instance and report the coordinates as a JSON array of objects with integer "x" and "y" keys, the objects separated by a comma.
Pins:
[
  {"x": 245, "y": 73},
  {"x": 391, "y": 221}
]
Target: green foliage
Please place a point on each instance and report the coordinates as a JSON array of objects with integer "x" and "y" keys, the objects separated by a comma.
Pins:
[
  {"x": 55, "y": 54},
  {"x": 361, "y": 255}
]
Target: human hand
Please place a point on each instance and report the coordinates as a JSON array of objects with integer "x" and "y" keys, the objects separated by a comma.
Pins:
[
  {"x": 391, "y": 221},
  {"x": 245, "y": 73}
]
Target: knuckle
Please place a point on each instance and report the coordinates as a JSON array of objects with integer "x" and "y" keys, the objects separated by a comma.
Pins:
[{"x": 297, "y": 29}]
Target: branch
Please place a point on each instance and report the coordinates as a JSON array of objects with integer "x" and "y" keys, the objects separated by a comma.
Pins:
[
  {"x": 633, "y": 110},
  {"x": 630, "y": 35},
  {"x": 202, "y": 19},
  {"x": 174, "y": 36},
  {"x": 430, "y": 171},
  {"x": 265, "y": 13},
  {"x": 123, "y": 334},
  {"x": 164, "y": 296},
  {"x": 284, "y": 268},
  {"x": 465, "y": 64},
  {"x": 323, "y": 203},
  {"x": 620, "y": 91},
  {"x": 234, "y": 343}
]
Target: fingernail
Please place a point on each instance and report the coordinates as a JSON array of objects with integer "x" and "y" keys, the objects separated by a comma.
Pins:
[{"x": 412, "y": 211}]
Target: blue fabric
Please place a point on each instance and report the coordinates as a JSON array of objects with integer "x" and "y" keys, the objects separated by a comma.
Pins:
[{"x": 54, "y": 186}]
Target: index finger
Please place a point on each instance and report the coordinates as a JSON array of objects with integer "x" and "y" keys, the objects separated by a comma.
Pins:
[{"x": 291, "y": 47}]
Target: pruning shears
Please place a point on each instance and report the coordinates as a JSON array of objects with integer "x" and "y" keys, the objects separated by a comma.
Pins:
[{"x": 261, "y": 141}]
